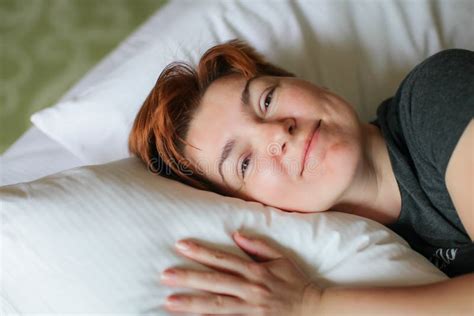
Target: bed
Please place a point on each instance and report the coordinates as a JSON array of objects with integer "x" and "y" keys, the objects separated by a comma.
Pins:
[
  {"x": 374, "y": 43},
  {"x": 79, "y": 143}
]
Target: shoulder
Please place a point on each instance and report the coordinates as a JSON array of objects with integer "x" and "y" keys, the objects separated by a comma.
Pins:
[
  {"x": 436, "y": 102},
  {"x": 446, "y": 74},
  {"x": 439, "y": 108},
  {"x": 460, "y": 178},
  {"x": 446, "y": 62}
]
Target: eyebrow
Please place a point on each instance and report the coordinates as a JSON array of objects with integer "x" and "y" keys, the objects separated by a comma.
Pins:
[
  {"x": 230, "y": 144},
  {"x": 245, "y": 96}
]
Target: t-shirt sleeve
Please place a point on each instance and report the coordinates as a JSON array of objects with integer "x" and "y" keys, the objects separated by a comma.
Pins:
[{"x": 438, "y": 103}]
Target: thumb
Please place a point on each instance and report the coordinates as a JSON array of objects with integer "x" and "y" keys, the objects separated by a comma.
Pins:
[{"x": 257, "y": 248}]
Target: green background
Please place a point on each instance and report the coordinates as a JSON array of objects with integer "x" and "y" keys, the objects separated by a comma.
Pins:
[{"x": 46, "y": 46}]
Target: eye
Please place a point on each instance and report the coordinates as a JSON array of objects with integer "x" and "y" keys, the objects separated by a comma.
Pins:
[
  {"x": 245, "y": 164},
  {"x": 268, "y": 99}
]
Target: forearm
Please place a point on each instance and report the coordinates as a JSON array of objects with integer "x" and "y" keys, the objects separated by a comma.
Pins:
[{"x": 453, "y": 297}]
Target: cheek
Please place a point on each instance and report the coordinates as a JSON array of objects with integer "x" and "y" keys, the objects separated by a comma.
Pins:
[
  {"x": 302, "y": 103},
  {"x": 341, "y": 113},
  {"x": 268, "y": 184},
  {"x": 341, "y": 162},
  {"x": 321, "y": 189}
]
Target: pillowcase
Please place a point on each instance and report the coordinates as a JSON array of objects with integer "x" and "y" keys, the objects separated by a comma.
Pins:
[
  {"x": 95, "y": 239},
  {"x": 359, "y": 49}
]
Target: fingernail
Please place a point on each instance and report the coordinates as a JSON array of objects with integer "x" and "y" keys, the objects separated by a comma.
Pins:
[
  {"x": 168, "y": 275},
  {"x": 240, "y": 235},
  {"x": 183, "y": 245},
  {"x": 173, "y": 301}
]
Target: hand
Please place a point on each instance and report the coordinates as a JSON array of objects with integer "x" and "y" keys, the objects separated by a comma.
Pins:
[{"x": 272, "y": 286}]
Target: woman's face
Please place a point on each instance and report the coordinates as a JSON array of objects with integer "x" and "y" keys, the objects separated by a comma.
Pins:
[{"x": 252, "y": 139}]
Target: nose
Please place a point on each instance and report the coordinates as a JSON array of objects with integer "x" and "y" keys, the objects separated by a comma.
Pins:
[{"x": 277, "y": 136}]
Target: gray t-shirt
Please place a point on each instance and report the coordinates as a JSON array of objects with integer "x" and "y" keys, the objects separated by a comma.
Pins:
[{"x": 421, "y": 125}]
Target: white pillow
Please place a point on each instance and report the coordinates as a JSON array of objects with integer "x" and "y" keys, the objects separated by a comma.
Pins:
[
  {"x": 360, "y": 49},
  {"x": 95, "y": 239}
]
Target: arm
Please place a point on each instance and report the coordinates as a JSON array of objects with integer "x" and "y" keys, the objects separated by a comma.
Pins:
[
  {"x": 460, "y": 176},
  {"x": 450, "y": 297}
]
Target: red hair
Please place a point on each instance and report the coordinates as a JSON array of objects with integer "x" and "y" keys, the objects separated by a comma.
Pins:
[{"x": 162, "y": 123}]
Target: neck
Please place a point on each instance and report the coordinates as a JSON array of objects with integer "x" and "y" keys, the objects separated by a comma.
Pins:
[{"x": 374, "y": 192}]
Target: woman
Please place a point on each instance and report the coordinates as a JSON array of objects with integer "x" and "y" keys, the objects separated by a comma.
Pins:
[{"x": 242, "y": 127}]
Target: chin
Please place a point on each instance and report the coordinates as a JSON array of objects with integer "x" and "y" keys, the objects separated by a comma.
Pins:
[{"x": 338, "y": 171}]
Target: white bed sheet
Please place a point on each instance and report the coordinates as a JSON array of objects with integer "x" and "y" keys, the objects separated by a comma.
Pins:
[{"x": 34, "y": 155}]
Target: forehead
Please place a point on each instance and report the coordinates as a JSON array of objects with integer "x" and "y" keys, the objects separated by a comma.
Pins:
[{"x": 217, "y": 119}]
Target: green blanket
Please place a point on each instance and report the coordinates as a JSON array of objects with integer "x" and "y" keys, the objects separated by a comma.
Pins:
[{"x": 48, "y": 45}]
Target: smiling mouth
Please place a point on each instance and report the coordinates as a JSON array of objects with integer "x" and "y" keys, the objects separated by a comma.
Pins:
[{"x": 307, "y": 144}]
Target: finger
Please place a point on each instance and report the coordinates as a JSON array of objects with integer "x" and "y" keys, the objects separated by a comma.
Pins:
[
  {"x": 215, "y": 282},
  {"x": 257, "y": 247},
  {"x": 209, "y": 304},
  {"x": 221, "y": 314},
  {"x": 221, "y": 260}
]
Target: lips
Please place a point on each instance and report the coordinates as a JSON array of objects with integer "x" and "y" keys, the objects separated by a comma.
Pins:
[{"x": 309, "y": 138}]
